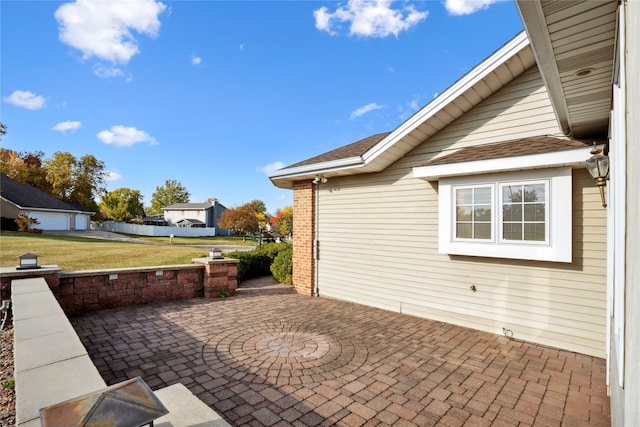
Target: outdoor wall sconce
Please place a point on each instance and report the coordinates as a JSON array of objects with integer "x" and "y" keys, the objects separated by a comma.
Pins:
[
  {"x": 598, "y": 167},
  {"x": 28, "y": 261},
  {"x": 215, "y": 253}
]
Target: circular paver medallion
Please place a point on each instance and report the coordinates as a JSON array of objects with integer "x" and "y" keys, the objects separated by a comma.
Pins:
[{"x": 283, "y": 353}]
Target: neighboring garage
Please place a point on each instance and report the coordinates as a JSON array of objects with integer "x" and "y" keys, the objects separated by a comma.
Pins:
[
  {"x": 17, "y": 198},
  {"x": 51, "y": 221}
]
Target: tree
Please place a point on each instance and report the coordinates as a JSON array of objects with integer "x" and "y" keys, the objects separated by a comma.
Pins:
[
  {"x": 242, "y": 219},
  {"x": 25, "y": 167},
  {"x": 75, "y": 180},
  {"x": 122, "y": 204},
  {"x": 88, "y": 181},
  {"x": 173, "y": 192},
  {"x": 282, "y": 221},
  {"x": 259, "y": 206},
  {"x": 60, "y": 174},
  {"x": 261, "y": 213}
]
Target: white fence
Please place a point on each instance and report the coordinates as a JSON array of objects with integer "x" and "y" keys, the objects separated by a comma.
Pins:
[{"x": 153, "y": 230}]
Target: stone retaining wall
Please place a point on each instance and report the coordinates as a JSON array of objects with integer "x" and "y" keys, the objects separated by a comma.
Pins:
[
  {"x": 81, "y": 291},
  {"x": 87, "y": 291}
]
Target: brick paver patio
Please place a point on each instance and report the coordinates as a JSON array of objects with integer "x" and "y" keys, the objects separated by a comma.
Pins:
[{"x": 270, "y": 357}]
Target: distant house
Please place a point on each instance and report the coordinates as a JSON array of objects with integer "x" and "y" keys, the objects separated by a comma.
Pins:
[
  {"x": 154, "y": 220},
  {"x": 52, "y": 214},
  {"x": 196, "y": 215},
  {"x": 479, "y": 211}
]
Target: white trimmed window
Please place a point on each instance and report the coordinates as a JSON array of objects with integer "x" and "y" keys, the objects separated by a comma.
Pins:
[{"x": 524, "y": 215}]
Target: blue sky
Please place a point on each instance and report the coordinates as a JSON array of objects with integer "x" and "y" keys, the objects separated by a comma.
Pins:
[{"x": 218, "y": 94}]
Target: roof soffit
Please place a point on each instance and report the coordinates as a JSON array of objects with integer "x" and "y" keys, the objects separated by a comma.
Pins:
[{"x": 574, "y": 44}]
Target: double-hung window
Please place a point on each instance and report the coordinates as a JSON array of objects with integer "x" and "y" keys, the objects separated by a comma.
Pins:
[{"x": 523, "y": 215}]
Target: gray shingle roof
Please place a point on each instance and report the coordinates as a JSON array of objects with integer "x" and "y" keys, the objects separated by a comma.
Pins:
[
  {"x": 188, "y": 206},
  {"x": 26, "y": 196},
  {"x": 518, "y": 147},
  {"x": 354, "y": 149}
]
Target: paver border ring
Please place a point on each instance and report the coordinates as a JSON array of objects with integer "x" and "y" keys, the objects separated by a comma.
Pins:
[{"x": 284, "y": 353}]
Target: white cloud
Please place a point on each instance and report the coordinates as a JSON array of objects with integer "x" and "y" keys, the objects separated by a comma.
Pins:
[
  {"x": 369, "y": 18},
  {"x": 195, "y": 60},
  {"x": 25, "y": 99},
  {"x": 270, "y": 168},
  {"x": 67, "y": 126},
  {"x": 364, "y": 110},
  {"x": 108, "y": 72},
  {"x": 409, "y": 108},
  {"x": 124, "y": 136},
  {"x": 111, "y": 176},
  {"x": 241, "y": 47},
  {"x": 467, "y": 7},
  {"x": 104, "y": 28}
]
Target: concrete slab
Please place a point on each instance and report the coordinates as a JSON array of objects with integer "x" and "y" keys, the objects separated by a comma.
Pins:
[
  {"x": 186, "y": 410},
  {"x": 25, "y": 329},
  {"x": 55, "y": 383},
  {"x": 47, "y": 349},
  {"x": 27, "y": 286},
  {"x": 35, "y": 304},
  {"x": 30, "y": 423}
]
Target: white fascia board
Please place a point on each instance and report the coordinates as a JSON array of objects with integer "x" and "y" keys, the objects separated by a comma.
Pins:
[
  {"x": 506, "y": 164},
  {"x": 333, "y": 165},
  {"x": 56, "y": 210},
  {"x": 454, "y": 91},
  {"x": 510, "y": 49}
]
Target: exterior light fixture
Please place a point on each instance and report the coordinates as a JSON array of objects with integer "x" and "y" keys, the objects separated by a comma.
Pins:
[
  {"x": 129, "y": 403},
  {"x": 320, "y": 179},
  {"x": 28, "y": 261},
  {"x": 215, "y": 253},
  {"x": 598, "y": 167},
  {"x": 583, "y": 72}
]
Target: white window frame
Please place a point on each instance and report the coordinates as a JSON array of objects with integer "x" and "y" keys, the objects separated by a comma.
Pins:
[
  {"x": 454, "y": 211},
  {"x": 557, "y": 248},
  {"x": 500, "y": 204}
]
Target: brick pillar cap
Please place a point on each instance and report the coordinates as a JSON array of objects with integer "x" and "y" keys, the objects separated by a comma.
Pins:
[{"x": 209, "y": 261}]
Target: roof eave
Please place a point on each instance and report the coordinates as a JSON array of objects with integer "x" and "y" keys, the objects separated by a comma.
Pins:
[
  {"x": 483, "y": 69},
  {"x": 373, "y": 159},
  {"x": 29, "y": 208},
  {"x": 284, "y": 178},
  {"x": 571, "y": 158}
]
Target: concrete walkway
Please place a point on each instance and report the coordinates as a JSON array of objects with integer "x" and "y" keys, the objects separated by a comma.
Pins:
[{"x": 270, "y": 357}]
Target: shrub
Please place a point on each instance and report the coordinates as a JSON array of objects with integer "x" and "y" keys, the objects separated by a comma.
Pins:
[
  {"x": 26, "y": 223},
  {"x": 282, "y": 266},
  {"x": 257, "y": 262}
]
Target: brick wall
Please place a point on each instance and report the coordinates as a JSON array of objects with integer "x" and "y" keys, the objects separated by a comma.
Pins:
[
  {"x": 303, "y": 235},
  {"x": 86, "y": 291},
  {"x": 82, "y": 291}
]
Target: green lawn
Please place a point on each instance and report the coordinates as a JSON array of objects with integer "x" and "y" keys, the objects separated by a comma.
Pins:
[{"x": 73, "y": 253}]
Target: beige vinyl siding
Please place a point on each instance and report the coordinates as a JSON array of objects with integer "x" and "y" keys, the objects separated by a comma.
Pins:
[{"x": 378, "y": 238}]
